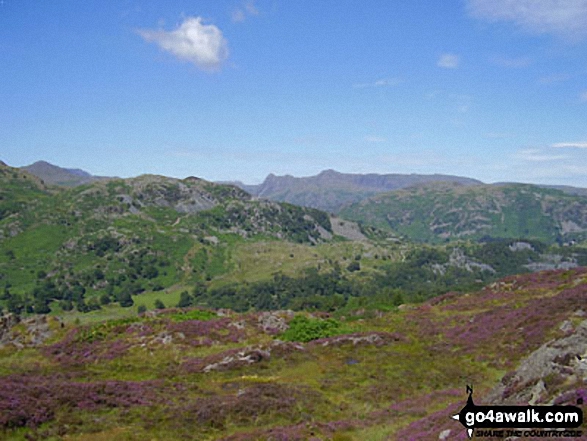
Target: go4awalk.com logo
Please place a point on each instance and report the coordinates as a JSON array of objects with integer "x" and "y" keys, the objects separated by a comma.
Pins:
[{"x": 520, "y": 421}]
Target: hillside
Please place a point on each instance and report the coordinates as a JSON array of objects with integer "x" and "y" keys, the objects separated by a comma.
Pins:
[
  {"x": 394, "y": 375},
  {"x": 436, "y": 213},
  {"x": 146, "y": 240},
  {"x": 118, "y": 237},
  {"x": 331, "y": 190},
  {"x": 54, "y": 175}
]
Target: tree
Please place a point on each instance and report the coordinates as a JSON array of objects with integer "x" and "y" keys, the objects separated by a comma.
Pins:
[
  {"x": 159, "y": 304},
  {"x": 94, "y": 304},
  {"x": 41, "y": 307},
  {"x": 81, "y": 306},
  {"x": 125, "y": 299},
  {"x": 185, "y": 300},
  {"x": 15, "y": 304},
  {"x": 66, "y": 305}
]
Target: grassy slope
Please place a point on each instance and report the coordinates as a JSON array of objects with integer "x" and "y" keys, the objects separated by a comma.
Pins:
[
  {"x": 409, "y": 382},
  {"x": 70, "y": 234},
  {"x": 441, "y": 212}
]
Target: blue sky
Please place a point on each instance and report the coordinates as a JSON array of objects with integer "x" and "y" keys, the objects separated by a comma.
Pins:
[{"x": 491, "y": 89}]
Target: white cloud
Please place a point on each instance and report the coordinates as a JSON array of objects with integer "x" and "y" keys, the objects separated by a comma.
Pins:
[
  {"x": 567, "y": 18},
  {"x": 575, "y": 145},
  {"x": 373, "y": 138},
  {"x": 448, "y": 61},
  {"x": 535, "y": 155},
  {"x": 200, "y": 44},
  {"x": 240, "y": 14},
  {"x": 384, "y": 82}
]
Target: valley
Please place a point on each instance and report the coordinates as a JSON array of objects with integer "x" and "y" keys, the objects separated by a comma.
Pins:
[{"x": 151, "y": 307}]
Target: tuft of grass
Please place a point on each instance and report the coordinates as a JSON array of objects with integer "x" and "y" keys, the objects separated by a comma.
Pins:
[{"x": 194, "y": 314}]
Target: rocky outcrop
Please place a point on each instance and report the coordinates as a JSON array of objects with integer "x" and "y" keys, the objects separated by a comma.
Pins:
[
  {"x": 548, "y": 372},
  {"x": 274, "y": 322},
  {"x": 237, "y": 358},
  {"x": 29, "y": 332}
]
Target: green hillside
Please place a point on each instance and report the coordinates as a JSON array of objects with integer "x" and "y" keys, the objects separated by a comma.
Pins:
[
  {"x": 452, "y": 212},
  {"x": 116, "y": 238},
  {"x": 150, "y": 241},
  {"x": 167, "y": 309},
  {"x": 198, "y": 374}
]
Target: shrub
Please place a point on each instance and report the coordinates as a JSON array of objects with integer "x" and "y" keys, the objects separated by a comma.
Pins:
[
  {"x": 304, "y": 329},
  {"x": 354, "y": 266}
]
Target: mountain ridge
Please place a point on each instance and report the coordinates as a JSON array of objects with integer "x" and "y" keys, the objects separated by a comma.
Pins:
[
  {"x": 330, "y": 190},
  {"x": 66, "y": 177}
]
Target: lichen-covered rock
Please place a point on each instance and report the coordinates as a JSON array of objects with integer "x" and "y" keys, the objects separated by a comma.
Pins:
[
  {"x": 369, "y": 338},
  {"x": 559, "y": 362},
  {"x": 274, "y": 322},
  {"x": 31, "y": 332},
  {"x": 236, "y": 358}
]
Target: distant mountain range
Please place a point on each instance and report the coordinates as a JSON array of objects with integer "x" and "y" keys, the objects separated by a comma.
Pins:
[
  {"x": 438, "y": 208},
  {"x": 331, "y": 190},
  {"x": 67, "y": 177},
  {"x": 423, "y": 208}
]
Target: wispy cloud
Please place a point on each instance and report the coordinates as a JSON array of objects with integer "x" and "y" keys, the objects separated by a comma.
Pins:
[
  {"x": 201, "y": 44},
  {"x": 513, "y": 63},
  {"x": 567, "y": 18},
  {"x": 448, "y": 61},
  {"x": 583, "y": 96},
  {"x": 241, "y": 13},
  {"x": 554, "y": 78},
  {"x": 384, "y": 82},
  {"x": 571, "y": 145},
  {"x": 536, "y": 155}
]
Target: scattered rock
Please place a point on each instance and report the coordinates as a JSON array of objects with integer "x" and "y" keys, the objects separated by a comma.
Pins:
[
  {"x": 347, "y": 229},
  {"x": 566, "y": 326},
  {"x": 238, "y": 325},
  {"x": 444, "y": 435},
  {"x": 243, "y": 357},
  {"x": 31, "y": 331},
  {"x": 6, "y": 323},
  {"x": 521, "y": 246},
  {"x": 274, "y": 322},
  {"x": 236, "y": 358},
  {"x": 374, "y": 338}
]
